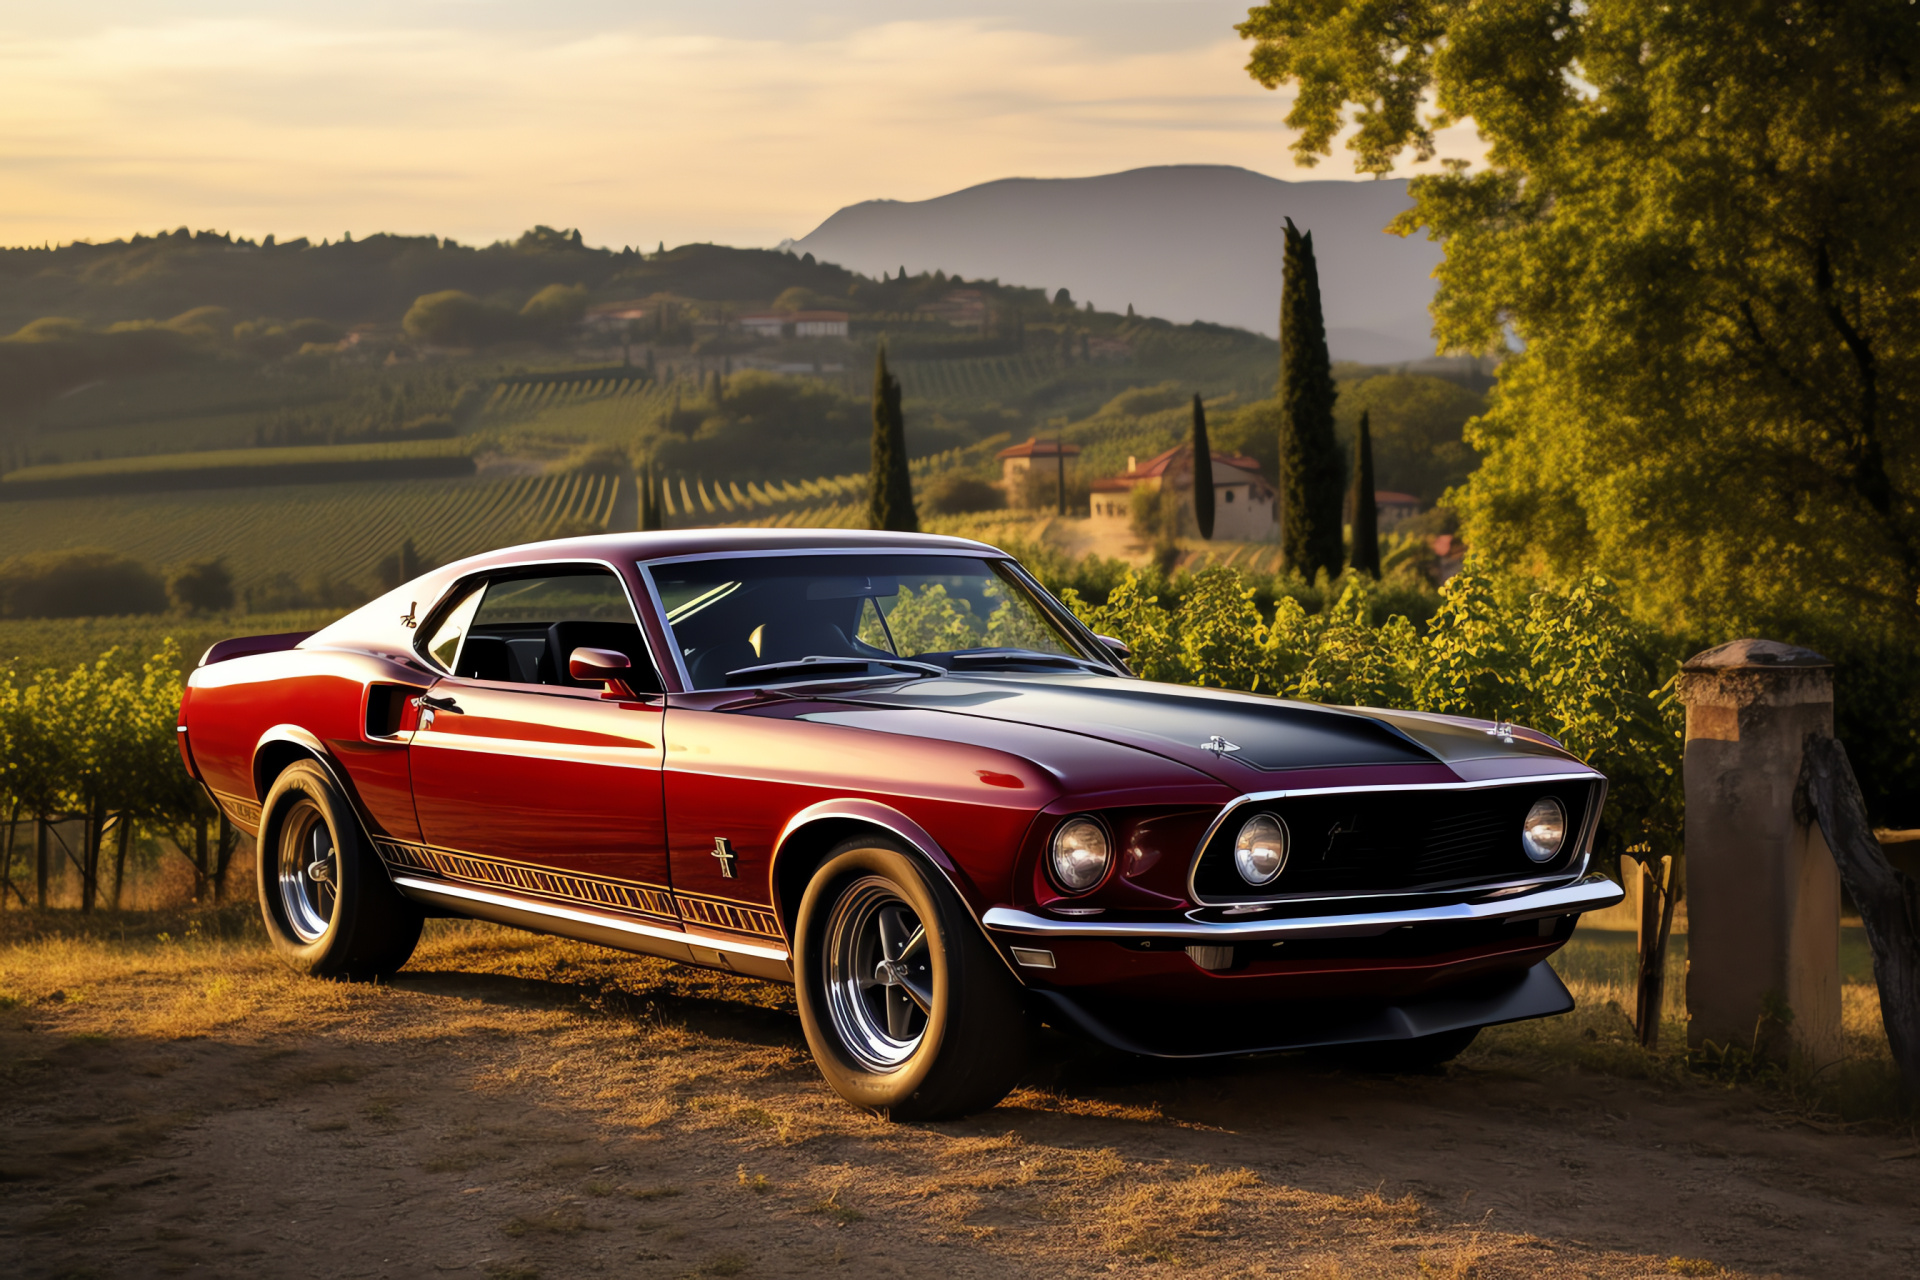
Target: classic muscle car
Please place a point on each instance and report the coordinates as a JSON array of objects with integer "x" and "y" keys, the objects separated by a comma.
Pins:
[{"x": 894, "y": 771}]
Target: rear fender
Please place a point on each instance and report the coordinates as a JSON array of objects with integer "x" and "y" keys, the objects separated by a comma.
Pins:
[{"x": 283, "y": 745}]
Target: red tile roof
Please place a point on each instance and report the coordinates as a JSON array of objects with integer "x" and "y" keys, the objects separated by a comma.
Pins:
[
  {"x": 1158, "y": 464},
  {"x": 1035, "y": 447}
]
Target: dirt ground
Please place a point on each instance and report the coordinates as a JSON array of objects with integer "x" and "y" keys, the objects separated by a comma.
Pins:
[{"x": 520, "y": 1107}]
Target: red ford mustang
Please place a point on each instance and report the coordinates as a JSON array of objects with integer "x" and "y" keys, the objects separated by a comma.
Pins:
[{"x": 892, "y": 770}]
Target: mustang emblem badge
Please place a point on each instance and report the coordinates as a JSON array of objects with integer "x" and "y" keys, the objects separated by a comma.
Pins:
[
  {"x": 724, "y": 851},
  {"x": 1501, "y": 730},
  {"x": 1218, "y": 745},
  {"x": 411, "y": 617}
]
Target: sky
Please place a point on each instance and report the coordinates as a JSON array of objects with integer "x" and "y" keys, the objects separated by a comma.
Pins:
[{"x": 741, "y": 122}]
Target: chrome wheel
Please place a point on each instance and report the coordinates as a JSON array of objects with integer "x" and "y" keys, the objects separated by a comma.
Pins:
[
  {"x": 309, "y": 872},
  {"x": 879, "y": 974}
]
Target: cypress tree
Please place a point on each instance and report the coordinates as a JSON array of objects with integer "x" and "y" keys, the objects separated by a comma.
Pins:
[
  {"x": 890, "y": 487},
  {"x": 1202, "y": 471},
  {"x": 1366, "y": 518},
  {"x": 1310, "y": 468}
]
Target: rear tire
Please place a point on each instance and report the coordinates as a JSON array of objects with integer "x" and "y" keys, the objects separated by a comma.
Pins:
[
  {"x": 1405, "y": 1057},
  {"x": 908, "y": 1010},
  {"x": 329, "y": 908}
]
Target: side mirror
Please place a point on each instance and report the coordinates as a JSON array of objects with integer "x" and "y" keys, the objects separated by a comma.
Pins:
[
  {"x": 601, "y": 666},
  {"x": 1119, "y": 647}
]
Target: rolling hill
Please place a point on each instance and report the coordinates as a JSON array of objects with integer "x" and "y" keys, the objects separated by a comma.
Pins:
[{"x": 1186, "y": 242}]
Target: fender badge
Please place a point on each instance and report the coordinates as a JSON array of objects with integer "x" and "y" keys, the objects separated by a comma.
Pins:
[
  {"x": 1218, "y": 745},
  {"x": 724, "y": 851},
  {"x": 1501, "y": 730},
  {"x": 410, "y": 618}
]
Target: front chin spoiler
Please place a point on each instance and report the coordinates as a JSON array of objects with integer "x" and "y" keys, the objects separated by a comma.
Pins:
[{"x": 1217, "y": 1030}]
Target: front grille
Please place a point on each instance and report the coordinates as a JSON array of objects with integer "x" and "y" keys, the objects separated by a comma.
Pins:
[{"x": 1395, "y": 841}]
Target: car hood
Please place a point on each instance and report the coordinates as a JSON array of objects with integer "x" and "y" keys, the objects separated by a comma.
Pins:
[{"x": 1222, "y": 733}]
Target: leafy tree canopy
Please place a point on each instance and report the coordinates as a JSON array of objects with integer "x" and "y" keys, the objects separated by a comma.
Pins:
[{"x": 1697, "y": 226}]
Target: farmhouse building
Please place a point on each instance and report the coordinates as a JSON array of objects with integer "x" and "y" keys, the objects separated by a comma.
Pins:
[
  {"x": 963, "y": 309},
  {"x": 1017, "y": 461},
  {"x": 614, "y": 315},
  {"x": 1390, "y": 508},
  {"x": 798, "y": 324},
  {"x": 819, "y": 324},
  {"x": 1243, "y": 502}
]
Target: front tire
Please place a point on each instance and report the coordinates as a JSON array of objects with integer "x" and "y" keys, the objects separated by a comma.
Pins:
[
  {"x": 908, "y": 1010},
  {"x": 329, "y": 908}
]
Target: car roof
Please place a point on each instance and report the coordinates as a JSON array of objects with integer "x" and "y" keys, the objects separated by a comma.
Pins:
[{"x": 669, "y": 543}]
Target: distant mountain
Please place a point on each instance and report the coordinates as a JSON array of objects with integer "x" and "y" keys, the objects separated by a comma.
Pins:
[{"x": 1183, "y": 242}]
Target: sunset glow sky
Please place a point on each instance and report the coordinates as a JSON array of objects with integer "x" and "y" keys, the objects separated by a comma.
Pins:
[{"x": 737, "y": 121}]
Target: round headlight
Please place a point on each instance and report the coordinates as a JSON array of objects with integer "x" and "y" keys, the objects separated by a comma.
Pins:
[
  {"x": 1545, "y": 829},
  {"x": 1260, "y": 850},
  {"x": 1080, "y": 854}
]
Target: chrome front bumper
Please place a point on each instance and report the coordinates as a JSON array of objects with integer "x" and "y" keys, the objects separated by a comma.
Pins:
[{"x": 1208, "y": 925}]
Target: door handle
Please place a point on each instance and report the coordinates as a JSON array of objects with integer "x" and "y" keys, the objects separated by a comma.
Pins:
[{"x": 428, "y": 702}]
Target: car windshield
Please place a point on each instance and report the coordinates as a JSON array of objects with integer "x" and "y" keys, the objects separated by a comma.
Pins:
[{"x": 730, "y": 615}]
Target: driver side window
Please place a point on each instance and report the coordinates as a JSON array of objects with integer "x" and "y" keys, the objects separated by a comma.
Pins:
[{"x": 522, "y": 627}]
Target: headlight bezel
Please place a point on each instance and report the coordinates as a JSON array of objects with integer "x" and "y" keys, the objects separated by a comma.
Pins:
[
  {"x": 1545, "y": 811},
  {"x": 1240, "y": 859},
  {"x": 1056, "y": 877}
]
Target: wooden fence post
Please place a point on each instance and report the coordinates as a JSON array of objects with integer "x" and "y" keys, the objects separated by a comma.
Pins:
[
  {"x": 1888, "y": 898},
  {"x": 1763, "y": 895}
]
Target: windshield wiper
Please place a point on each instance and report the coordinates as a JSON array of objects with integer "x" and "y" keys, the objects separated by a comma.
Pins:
[
  {"x": 821, "y": 664},
  {"x": 1028, "y": 657}
]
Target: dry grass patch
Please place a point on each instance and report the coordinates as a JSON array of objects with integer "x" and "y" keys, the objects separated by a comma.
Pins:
[
  {"x": 1057, "y": 1103},
  {"x": 837, "y": 1212},
  {"x": 736, "y": 1111},
  {"x": 560, "y": 1222},
  {"x": 1151, "y": 1220},
  {"x": 172, "y": 990},
  {"x": 654, "y": 1193}
]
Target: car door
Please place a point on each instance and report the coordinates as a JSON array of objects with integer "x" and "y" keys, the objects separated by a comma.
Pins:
[{"x": 526, "y": 779}]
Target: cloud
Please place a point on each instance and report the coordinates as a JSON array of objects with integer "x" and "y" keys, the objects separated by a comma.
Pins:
[{"x": 634, "y": 131}]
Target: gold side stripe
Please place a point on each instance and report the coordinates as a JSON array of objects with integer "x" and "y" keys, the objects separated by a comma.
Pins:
[
  {"x": 244, "y": 812},
  {"x": 732, "y": 916},
  {"x": 601, "y": 890}
]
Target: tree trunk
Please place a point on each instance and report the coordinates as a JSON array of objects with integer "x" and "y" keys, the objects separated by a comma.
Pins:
[
  {"x": 91, "y": 834},
  {"x": 120, "y": 857},
  {"x": 223, "y": 855},
  {"x": 40, "y": 859},
  {"x": 6, "y": 868},
  {"x": 200, "y": 858},
  {"x": 1658, "y": 893},
  {"x": 1888, "y": 899}
]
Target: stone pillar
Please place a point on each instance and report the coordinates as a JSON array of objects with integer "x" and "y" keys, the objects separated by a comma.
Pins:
[{"x": 1763, "y": 893}]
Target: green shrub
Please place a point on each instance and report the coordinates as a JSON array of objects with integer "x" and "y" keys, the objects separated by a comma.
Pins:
[
  {"x": 88, "y": 582},
  {"x": 451, "y": 318},
  {"x": 955, "y": 493},
  {"x": 201, "y": 586}
]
